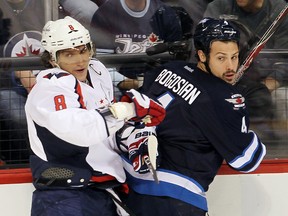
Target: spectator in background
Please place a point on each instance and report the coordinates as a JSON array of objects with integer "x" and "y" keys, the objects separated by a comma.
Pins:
[
  {"x": 264, "y": 75},
  {"x": 129, "y": 26},
  {"x": 257, "y": 15},
  {"x": 4, "y": 29},
  {"x": 25, "y": 24},
  {"x": 125, "y": 26},
  {"x": 195, "y": 8},
  {"x": 133, "y": 26},
  {"x": 82, "y": 11}
]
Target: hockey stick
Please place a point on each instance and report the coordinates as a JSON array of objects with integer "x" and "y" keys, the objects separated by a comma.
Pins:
[
  {"x": 152, "y": 149},
  {"x": 119, "y": 204},
  {"x": 260, "y": 44},
  {"x": 151, "y": 159}
]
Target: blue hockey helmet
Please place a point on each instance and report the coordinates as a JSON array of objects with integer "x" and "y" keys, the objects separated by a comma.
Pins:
[{"x": 210, "y": 29}]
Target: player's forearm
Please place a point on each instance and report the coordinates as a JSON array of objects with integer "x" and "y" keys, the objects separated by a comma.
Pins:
[{"x": 80, "y": 127}]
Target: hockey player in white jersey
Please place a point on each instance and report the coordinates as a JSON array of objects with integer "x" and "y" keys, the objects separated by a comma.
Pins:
[{"x": 72, "y": 122}]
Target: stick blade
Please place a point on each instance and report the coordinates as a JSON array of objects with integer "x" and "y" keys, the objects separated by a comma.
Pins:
[{"x": 152, "y": 149}]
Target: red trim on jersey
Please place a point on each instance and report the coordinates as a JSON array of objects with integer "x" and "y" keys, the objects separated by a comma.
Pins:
[
  {"x": 79, "y": 92},
  {"x": 23, "y": 175},
  {"x": 124, "y": 188},
  {"x": 103, "y": 178}
]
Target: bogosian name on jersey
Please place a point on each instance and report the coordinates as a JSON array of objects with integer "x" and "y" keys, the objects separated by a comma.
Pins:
[{"x": 178, "y": 85}]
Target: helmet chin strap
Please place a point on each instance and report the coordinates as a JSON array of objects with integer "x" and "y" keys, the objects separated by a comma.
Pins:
[
  {"x": 57, "y": 65},
  {"x": 207, "y": 67},
  {"x": 54, "y": 62}
]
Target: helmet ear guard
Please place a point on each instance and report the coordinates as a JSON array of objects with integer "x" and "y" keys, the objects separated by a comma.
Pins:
[
  {"x": 64, "y": 34},
  {"x": 209, "y": 30}
]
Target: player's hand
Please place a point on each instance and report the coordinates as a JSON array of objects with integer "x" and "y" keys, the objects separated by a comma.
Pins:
[
  {"x": 147, "y": 110},
  {"x": 137, "y": 151},
  {"x": 139, "y": 145}
]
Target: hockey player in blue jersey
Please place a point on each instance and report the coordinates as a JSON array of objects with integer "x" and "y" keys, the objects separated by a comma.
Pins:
[
  {"x": 72, "y": 121},
  {"x": 206, "y": 122}
]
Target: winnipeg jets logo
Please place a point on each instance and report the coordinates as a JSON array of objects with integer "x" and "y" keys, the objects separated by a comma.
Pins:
[
  {"x": 237, "y": 100},
  {"x": 135, "y": 43},
  {"x": 24, "y": 44}
]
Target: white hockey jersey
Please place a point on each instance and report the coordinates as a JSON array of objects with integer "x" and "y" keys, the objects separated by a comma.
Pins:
[{"x": 64, "y": 122}]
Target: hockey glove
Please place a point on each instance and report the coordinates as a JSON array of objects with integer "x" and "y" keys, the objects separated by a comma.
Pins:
[
  {"x": 137, "y": 151},
  {"x": 137, "y": 144},
  {"x": 147, "y": 110},
  {"x": 123, "y": 110}
]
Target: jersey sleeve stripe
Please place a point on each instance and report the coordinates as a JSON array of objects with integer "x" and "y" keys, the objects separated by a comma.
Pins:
[
  {"x": 248, "y": 155},
  {"x": 263, "y": 153},
  {"x": 171, "y": 184},
  {"x": 78, "y": 91}
]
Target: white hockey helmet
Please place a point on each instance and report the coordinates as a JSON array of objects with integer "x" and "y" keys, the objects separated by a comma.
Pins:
[{"x": 64, "y": 34}]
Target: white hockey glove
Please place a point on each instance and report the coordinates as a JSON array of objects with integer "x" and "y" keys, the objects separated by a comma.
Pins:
[{"x": 123, "y": 110}]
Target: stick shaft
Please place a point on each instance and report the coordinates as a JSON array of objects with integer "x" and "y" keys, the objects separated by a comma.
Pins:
[{"x": 260, "y": 44}]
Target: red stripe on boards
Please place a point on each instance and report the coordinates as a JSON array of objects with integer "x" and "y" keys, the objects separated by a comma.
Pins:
[{"x": 23, "y": 175}]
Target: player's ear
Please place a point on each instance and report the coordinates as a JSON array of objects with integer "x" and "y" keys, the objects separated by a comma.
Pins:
[{"x": 202, "y": 56}]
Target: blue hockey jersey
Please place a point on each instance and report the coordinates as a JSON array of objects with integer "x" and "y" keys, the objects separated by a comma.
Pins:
[{"x": 206, "y": 122}]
